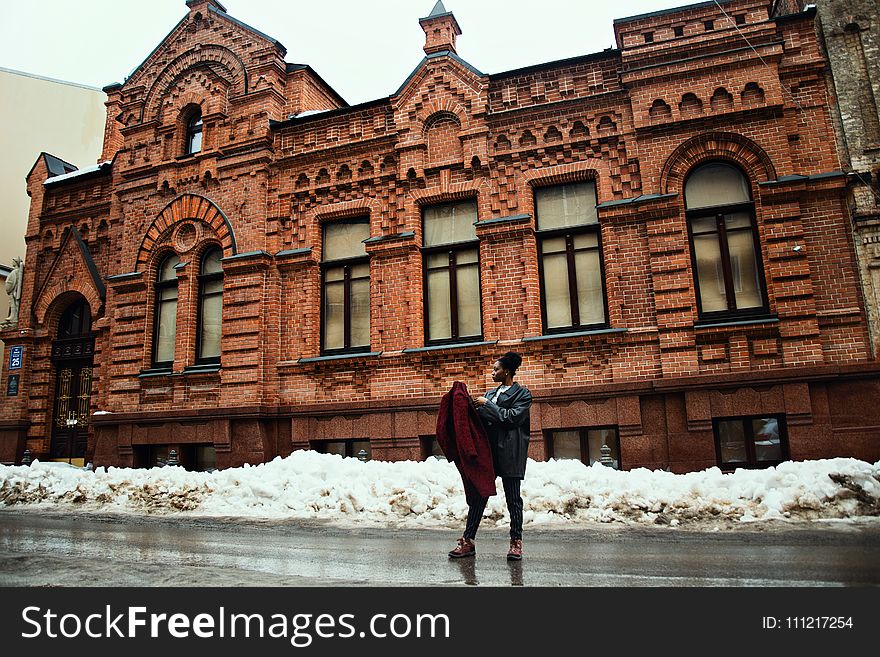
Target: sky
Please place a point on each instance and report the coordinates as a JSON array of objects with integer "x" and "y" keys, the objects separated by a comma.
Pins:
[
  {"x": 429, "y": 494},
  {"x": 363, "y": 48}
]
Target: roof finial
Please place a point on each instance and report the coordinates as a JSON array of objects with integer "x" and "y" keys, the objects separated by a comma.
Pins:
[{"x": 438, "y": 9}]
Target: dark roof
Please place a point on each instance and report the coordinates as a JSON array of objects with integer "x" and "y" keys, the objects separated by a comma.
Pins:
[
  {"x": 571, "y": 61},
  {"x": 438, "y": 10},
  {"x": 56, "y": 166},
  {"x": 280, "y": 125},
  {"x": 662, "y": 12}
]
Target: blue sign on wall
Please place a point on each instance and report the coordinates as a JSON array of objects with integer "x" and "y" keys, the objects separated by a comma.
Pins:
[{"x": 16, "y": 356}]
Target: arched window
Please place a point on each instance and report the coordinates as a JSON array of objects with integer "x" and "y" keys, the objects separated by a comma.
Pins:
[
  {"x": 210, "y": 306},
  {"x": 345, "y": 274},
  {"x": 165, "y": 325},
  {"x": 724, "y": 242},
  {"x": 570, "y": 257},
  {"x": 194, "y": 133},
  {"x": 76, "y": 320}
]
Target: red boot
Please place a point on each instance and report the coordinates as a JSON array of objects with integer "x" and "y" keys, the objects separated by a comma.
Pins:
[
  {"x": 466, "y": 548},
  {"x": 515, "y": 551}
]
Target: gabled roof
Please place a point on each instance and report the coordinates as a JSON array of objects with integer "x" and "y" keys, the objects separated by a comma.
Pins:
[
  {"x": 215, "y": 10},
  {"x": 54, "y": 165},
  {"x": 435, "y": 55},
  {"x": 100, "y": 288}
]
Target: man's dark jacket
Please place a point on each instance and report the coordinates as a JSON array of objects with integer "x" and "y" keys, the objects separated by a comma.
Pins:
[
  {"x": 507, "y": 423},
  {"x": 463, "y": 439}
]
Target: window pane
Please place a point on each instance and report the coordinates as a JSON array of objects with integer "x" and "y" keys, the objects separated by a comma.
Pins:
[
  {"x": 768, "y": 446},
  {"x": 598, "y": 437},
  {"x": 468, "y": 280},
  {"x": 212, "y": 287},
  {"x": 345, "y": 240},
  {"x": 744, "y": 269},
  {"x": 361, "y": 270},
  {"x": 336, "y": 274},
  {"x": 168, "y": 293},
  {"x": 167, "y": 271},
  {"x": 554, "y": 245},
  {"x": 334, "y": 316},
  {"x": 450, "y": 222},
  {"x": 732, "y": 441},
  {"x": 439, "y": 310},
  {"x": 468, "y": 257},
  {"x": 586, "y": 241},
  {"x": 211, "y": 262},
  {"x": 360, "y": 313},
  {"x": 195, "y": 142},
  {"x": 704, "y": 225},
  {"x": 438, "y": 260},
  {"x": 566, "y": 205},
  {"x": 738, "y": 220},
  {"x": 591, "y": 305},
  {"x": 334, "y": 447},
  {"x": 556, "y": 294},
  {"x": 566, "y": 445},
  {"x": 716, "y": 184},
  {"x": 212, "y": 311},
  {"x": 167, "y": 333},
  {"x": 710, "y": 271}
]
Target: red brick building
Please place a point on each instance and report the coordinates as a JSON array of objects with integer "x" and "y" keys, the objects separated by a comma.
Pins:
[{"x": 256, "y": 267}]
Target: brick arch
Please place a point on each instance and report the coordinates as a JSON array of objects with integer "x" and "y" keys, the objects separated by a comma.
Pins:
[
  {"x": 54, "y": 301},
  {"x": 187, "y": 206},
  {"x": 729, "y": 146},
  {"x": 592, "y": 169},
  {"x": 221, "y": 61},
  {"x": 432, "y": 111}
]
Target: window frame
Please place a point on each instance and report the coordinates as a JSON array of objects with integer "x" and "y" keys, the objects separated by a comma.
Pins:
[
  {"x": 346, "y": 264},
  {"x": 203, "y": 279},
  {"x": 584, "y": 437},
  {"x": 718, "y": 212},
  {"x": 451, "y": 249},
  {"x": 194, "y": 126},
  {"x": 158, "y": 287},
  {"x": 752, "y": 463},
  {"x": 320, "y": 446},
  {"x": 569, "y": 232}
]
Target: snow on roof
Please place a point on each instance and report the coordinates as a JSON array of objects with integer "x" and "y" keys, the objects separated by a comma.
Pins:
[
  {"x": 563, "y": 493},
  {"x": 78, "y": 172}
]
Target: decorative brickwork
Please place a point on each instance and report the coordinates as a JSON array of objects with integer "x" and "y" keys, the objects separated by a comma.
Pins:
[{"x": 283, "y": 156}]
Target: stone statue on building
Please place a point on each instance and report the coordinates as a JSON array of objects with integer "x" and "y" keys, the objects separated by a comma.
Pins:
[{"x": 13, "y": 289}]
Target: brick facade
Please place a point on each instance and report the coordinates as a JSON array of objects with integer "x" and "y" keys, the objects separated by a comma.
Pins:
[{"x": 283, "y": 156}]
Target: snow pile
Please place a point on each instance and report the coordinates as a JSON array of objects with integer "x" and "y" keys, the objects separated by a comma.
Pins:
[{"x": 326, "y": 486}]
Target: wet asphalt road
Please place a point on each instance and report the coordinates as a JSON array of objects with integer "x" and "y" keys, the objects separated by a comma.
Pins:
[{"x": 44, "y": 549}]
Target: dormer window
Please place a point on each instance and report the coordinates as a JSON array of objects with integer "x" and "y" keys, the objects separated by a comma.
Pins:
[{"x": 194, "y": 133}]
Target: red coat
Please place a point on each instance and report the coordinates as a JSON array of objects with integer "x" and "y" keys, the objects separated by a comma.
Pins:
[{"x": 463, "y": 439}]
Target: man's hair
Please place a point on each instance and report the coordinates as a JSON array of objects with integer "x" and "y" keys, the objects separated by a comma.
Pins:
[{"x": 511, "y": 361}]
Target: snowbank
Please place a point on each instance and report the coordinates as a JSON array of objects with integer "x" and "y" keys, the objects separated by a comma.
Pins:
[{"x": 423, "y": 494}]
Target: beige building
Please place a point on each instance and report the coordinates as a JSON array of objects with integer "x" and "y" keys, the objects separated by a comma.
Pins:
[{"x": 39, "y": 114}]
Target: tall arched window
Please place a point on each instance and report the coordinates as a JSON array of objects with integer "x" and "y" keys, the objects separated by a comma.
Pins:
[
  {"x": 724, "y": 242},
  {"x": 345, "y": 273},
  {"x": 194, "y": 133},
  {"x": 210, "y": 306},
  {"x": 165, "y": 325}
]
